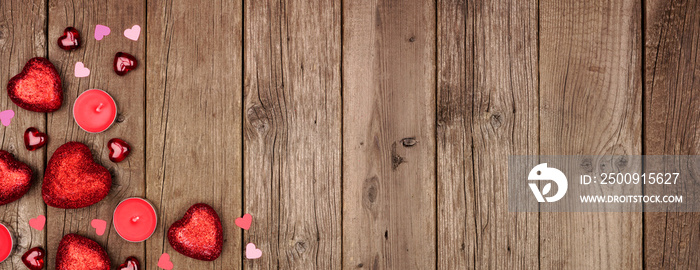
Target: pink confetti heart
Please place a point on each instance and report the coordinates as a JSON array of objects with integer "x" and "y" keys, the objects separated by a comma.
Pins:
[
  {"x": 251, "y": 252},
  {"x": 81, "y": 71},
  {"x": 6, "y": 117},
  {"x": 164, "y": 262},
  {"x": 99, "y": 225},
  {"x": 38, "y": 222},
  {"x": 133, "y": 32},
  {"x": 244, "y": 222},
  {"x": 101, "y": 31}
]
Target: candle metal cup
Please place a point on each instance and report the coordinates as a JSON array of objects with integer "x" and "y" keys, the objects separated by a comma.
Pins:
[
  {"x": 12, "y": 241},
  {"x": 155, "y": 213},
  {"x": 78, "y": 99}
]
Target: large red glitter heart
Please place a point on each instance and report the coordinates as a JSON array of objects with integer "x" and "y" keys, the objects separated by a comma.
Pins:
[
  {"x": 37, "y": 88},
  {"x": 198, "y": 234},
  {"x": 73, "y": 179},
  {"x": 76, "y": 252},
  {"x": 15, "y": 178}
]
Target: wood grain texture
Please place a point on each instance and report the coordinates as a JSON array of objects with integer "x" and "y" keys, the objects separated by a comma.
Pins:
[
  {"x": 590, "y": 104},
  {"x": 128, "y": 92},
  {"x": 505, "y": 123},
  {"x": 292, "y": 133},
  {"x": 456, "y": 200},
  {"x": 193, "y": 119},
  {"x": 389, "y": 187},
  {"x": 22, "y": 37},
  {"x": 672, "y": 121}
]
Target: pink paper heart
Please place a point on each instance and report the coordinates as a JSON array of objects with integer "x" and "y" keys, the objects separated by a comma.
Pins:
[
  {"x": 133, "y": 32},
  {"x": 38, "y": 222},
  {"x": 99, "y": 225},
  {"x": 251, "y": 252},
  {"x": 244, "y": 222},
  {"x": 101, "y": 31},
  {"x": 6, "y": 117},
  {"x": 164, "y": 262},
  {"x": 80, "y": 70}
]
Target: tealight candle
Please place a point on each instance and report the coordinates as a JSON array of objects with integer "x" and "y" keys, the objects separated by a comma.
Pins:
[
  {"x": 94, "y": 110},
  {"x": 6, "y": 242},
  {"x": 135, "y": 219}
]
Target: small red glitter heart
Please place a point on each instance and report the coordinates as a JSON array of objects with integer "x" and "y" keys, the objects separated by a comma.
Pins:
[
  {"x": 33, "y": 139},
  {"x": 37, "y": 88},
  {"x": 118, "y": 149},
  {"x": 198, "y": 234},
  {"x": 78, "y": 252},
  {"x": 131, "y": 263},
  {"x": 34, "y": 258},
  {"x": 70, "y": 40},
  {"x": 123, "y": 63},
  {"x": 15, "y": 178},
  {"x": 73, "y": 179}
]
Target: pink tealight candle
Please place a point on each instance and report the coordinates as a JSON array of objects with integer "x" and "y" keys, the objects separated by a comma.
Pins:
[
  {"x": 135, "y": 219},
  {"x": 94, "y": 110},
  {"x": 6, "y": 242}
]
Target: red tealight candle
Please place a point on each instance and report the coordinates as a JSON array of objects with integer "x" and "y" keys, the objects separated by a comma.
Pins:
[
  {"x": 6, "y": 242},
  {"x": 94, "y": 110},
  {"x": 135, "y": 219}
]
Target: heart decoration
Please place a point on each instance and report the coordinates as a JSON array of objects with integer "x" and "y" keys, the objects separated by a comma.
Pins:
[
  {"x": 34, "y": 258},
  {"x": 133, "y": 32},
  {"x": 101, "y": 31},
  {"x": 37, "y": 88},
  {"x": 99, "y": 225},
  {"x": 80, "y": 70},
  {"x": 70, "y": 40},
  {"x": 244, "y": 222},
  {"x": 164, "y": 262},
  {"x": 78, "y": 252},
  {"x": 131, "y": 263},
  {"x": 38, "y": 222},
  {"x": 33, "y": 139},
  {"x": 198, "y": 234},
  {"x": 123, "y": 63},
  {"x": 118, "y": 149},
  {"x": 73, "y": 179},
  {"x": 15, "y": 178},
  {"x": 6, "y": 117},
  {"x": 251, "y": 252}
]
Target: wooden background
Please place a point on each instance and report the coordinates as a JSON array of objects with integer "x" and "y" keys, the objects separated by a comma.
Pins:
[{"x": 367, "y": 134}]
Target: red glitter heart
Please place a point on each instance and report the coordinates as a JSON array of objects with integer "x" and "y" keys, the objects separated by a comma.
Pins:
[
  {"x": 70, "y": 40},
  {"x": 198, "y": 234},
  {"x": 77, "y": 252},
  {"x": 37, "y": 88},
  {"x": 131, "y": 263},
  {"x": 34, "y": 258},
  {"x": 73, "y": 179},
  {"x": 123, "y": 63},
  {"x": 118, "y": 149},
  {"x": 33, "y": 139},
  {"x": 15, "y": 178}
]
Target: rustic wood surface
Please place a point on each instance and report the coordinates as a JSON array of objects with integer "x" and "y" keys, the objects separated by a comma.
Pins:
[{"x": 366, "y": 134}]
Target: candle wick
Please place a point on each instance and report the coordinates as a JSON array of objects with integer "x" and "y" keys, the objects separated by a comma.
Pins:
[
  {"x": 134, "y": 219},
  {"x": 99, "y": 108}
]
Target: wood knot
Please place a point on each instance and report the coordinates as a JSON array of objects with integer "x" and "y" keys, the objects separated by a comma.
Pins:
[
  {"x": 300, "y": 246},
  {"x": 587, "y": 165},
  {"x": 396, "y": 160},
  {"x": 621, "y": 162},
  {"x": 409, "y": 142},
  {"x": 120, "y": 118},
  {"x": 496, "y": 120},
  {"x": 257, "y": 117},
  {"x": 412, "y": 39},
  {"x": 370, "y": 190}
]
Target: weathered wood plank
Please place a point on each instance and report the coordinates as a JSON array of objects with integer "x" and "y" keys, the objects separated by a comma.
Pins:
[
  {"x": 480, "y": 126},
  {"x": 590, "y": 103},
  {"x": 672, "y": 121},
  {"x": 22, "y": 36},
  {"x": 127, "y": 91},
  {"x": 193, "y": 119},
  {"x": 457, "y": 245},
  {"x": 389, "y": 158},
  {"x": 292, "y": 133}
]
